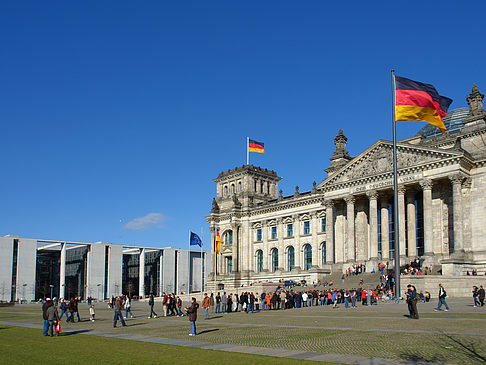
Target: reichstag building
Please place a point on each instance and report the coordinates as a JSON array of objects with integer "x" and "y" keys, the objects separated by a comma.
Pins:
[{"x": 348, "y": 218}]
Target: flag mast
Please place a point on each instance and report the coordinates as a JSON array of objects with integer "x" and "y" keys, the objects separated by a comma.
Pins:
[
  {"x": 247, "y": 150},
  {"x": 189, "y": 270},
  {"x": 395, "y": 194},
  {"x": 215, "y": 264},
  {"x": 202, "y": 262}
]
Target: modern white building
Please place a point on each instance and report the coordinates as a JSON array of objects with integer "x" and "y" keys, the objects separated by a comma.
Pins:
[{"x": 34, "y": 268}]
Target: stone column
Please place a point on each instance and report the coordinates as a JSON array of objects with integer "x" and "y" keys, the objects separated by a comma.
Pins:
[
  {"x": 456, "y": 181},
  {"x": 141, "y": 274},
  {"x": 281, "y": 247},
  {"x": 213, "y": 249},
  {"x": 401, "y": 221},
  {"x": 234, "y": 248},
  {"x": 426, "y": 185},
  {"x": 315, "y": 243},
  {"x": 385, "y": 230},
  {"x": 329, "y": 231},
  {"x": 373, "y": 196},
  {"x": 350, "y": 242},
  {"x": 298, "y": 255},
  {"x": 62, "y": 272},
  {"x": 411, "y": 226},
  {"x": 361, "y": 232},
  {"x": 265, "y": 244}
]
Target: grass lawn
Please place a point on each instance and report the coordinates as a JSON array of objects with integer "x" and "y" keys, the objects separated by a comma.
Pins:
[{"x": 28, "y": 346}]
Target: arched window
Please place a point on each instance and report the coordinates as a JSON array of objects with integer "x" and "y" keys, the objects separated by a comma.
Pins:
[
  {"x": 290, "y": 258},
  {"x": 324, "y": 253},
  {"x": 259, "y": 261},
  {"x": 233, "y": 188},
  {"x": 228, "y": 238},
  {"x": 239, "y": 186},
  {"x": 225, "y": 190},
  {"x": 274, "y": 260},
  {"x": 307, "y": 257}
]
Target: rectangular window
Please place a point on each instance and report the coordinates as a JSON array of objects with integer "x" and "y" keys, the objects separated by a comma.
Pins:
[
  {"x": 306, "y": 227},
  {"x": 229, "y": 265},
  {"x": 290, "y": 230},
  {"x": 259, "y": 235},
  {"x": 323, "y": 225},
  {"x": 274, "y": 233}
]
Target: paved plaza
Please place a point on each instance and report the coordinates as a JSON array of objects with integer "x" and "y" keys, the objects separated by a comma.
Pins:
[{"x": 379, "y": 334}]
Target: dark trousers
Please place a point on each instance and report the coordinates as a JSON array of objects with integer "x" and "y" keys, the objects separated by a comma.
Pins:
[{"x": 412, "y": 307}]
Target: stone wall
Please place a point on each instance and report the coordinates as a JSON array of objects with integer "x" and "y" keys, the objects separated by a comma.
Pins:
[{"x": 455, "y": 286}]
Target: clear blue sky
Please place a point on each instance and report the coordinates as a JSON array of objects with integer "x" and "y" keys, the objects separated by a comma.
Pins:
[{"x": 113, "y": 111}]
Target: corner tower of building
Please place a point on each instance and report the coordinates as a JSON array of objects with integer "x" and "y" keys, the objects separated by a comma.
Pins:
[{"x": 244, "y": 187}]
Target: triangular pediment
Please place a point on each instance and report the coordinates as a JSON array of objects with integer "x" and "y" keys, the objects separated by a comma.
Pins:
[{"x": 378, "y": 159}]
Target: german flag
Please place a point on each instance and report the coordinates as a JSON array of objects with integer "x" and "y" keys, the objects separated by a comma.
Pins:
[
  {"x": 254, "y": 146},
  {"x": 218, "y": 242},
  {"x": 418, "y": 101}
]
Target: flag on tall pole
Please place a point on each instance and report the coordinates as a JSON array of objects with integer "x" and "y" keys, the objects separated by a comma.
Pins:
[
  {"x": 253, "y": 146},
  {"x": 195, "y": 240},
  {"x": 416, "y": 101},
  {"x": 218, "y": 242}
]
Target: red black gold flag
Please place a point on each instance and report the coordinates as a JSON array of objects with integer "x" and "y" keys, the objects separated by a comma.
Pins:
[
  {"x": 254, "y": 146},
  {"x": 418, "y": 101}
]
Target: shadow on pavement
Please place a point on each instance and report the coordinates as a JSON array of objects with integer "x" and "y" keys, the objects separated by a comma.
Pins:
[{"x": 207, "y": 331}]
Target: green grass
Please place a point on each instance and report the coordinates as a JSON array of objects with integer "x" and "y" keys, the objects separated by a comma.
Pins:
[{"x": 28, "y": 346}]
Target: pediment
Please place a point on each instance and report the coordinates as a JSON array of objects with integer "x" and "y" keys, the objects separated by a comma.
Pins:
[{"x": 378, "y": 159}]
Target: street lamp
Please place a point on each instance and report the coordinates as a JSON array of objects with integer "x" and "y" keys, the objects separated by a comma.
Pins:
[{"x": 52, "y": 288}]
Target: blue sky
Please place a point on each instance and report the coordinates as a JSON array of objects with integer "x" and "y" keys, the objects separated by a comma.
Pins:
[{"x": 116, "y": 116}]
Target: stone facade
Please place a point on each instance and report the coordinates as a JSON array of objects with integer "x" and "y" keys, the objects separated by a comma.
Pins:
[{"x": 347, "y": 218}]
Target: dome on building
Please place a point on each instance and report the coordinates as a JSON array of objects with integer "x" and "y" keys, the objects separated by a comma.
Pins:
[{"x": 453, "y": 121}]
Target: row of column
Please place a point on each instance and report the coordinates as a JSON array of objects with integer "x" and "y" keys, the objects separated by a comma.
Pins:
[{"x": 406, "y": 226}]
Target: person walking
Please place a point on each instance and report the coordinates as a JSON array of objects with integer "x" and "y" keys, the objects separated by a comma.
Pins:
[
  {"x": 92, "y": 313},
  {"x": 151, "y": 303},
  {"x": 118, "y": 314},
  {"x": 192, "y": 312},
  {"x": 76, "y": 309},
  {"x": 128, "y": 304},
  {"x": 64, "y": 309},
  {"x": 71, "y": 309},
  {"x": 481, "y": 295},
  {"x": 206, "y": 303},
  {"x": 442, "y": 301},
  {"x": 475, "y": 296}
]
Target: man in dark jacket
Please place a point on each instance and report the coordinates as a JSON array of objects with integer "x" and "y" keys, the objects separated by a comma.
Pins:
[
  {"x": 45, "y": 305},
  {"x": 192, "y": 312},
  {"x": 481, "y": 295}
]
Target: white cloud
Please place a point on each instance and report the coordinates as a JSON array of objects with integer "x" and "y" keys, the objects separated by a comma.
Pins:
[{"x": 145, "y": 222}]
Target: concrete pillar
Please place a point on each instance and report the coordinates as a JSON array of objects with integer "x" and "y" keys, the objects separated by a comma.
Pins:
[
  {"x": 314, "y": 243},
  {"x": 426, "y": 185},
  {"x": 265, "y": 229},
  {"x": 350, "y": 237},
  {"x": 299, "y": 257},
  {"x": 62, "y": 271},
  {"x": 411, "y": 225},
  {"x": 385, "y": 229},
  {"x": 329, "y": 231},
  {"x": 373, "y": 196},
  {"x": 141, "y": 274},
  {"x": 456, "y": 181},
  {"x": 161, "y": 272},
  {"x": 234, "y": 248},
  {"x": 281, "y": 231},
  {"x": 401, "y": 221}
]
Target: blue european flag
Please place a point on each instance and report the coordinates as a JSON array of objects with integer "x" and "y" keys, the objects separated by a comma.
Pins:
[{"x": 195, "y": 240}]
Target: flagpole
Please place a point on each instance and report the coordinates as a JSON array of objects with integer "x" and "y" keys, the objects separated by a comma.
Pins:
[
  {"x": 247, "y": 150},
  {"x": 189, "y": 270},
  {"x": 395, "y": 195},
  {"x": 202, "y": 266},
  {"x": 215, "y": 262}
]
